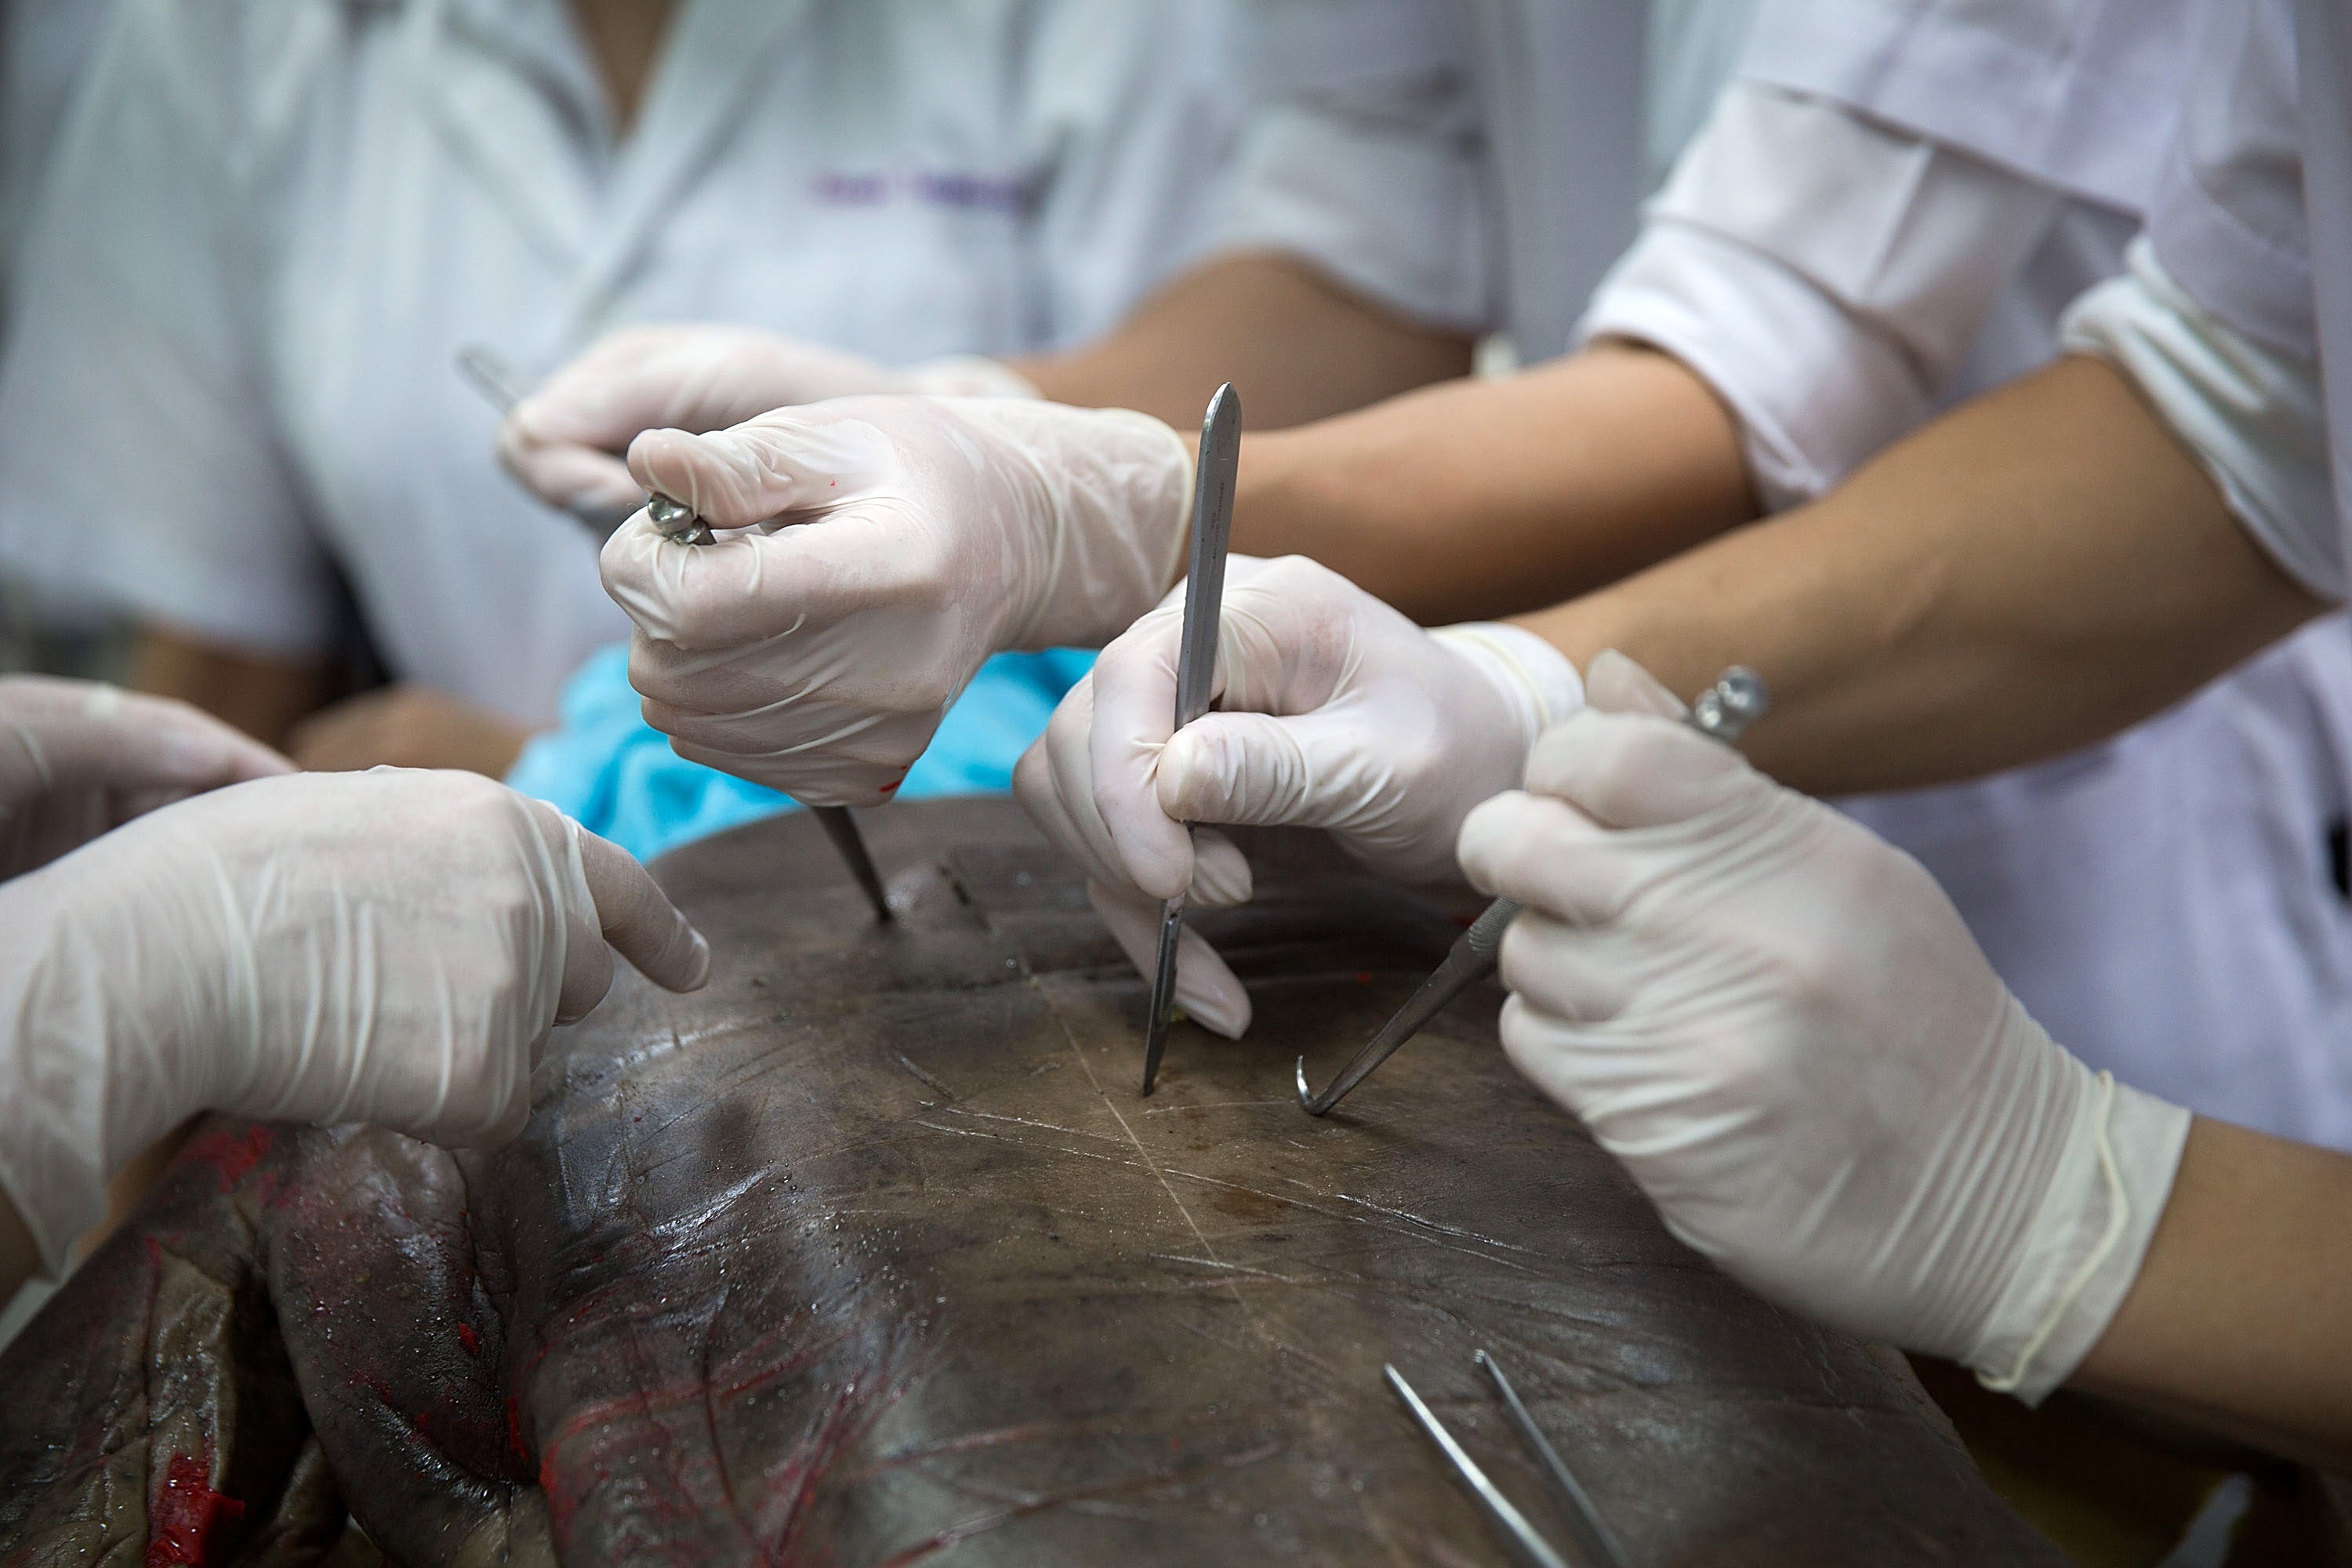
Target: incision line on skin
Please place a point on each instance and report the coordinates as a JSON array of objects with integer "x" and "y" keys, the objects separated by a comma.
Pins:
[
  {"x": 1207, "y": 1248},
  {"x": 1230, "y": 1277}
]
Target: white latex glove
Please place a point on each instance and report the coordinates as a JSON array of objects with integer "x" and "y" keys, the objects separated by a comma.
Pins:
[
  {"x": 77, "y": 758},
  {"x": 564, "y": 439},
  {"x": 1782, "y": 1027},
  {"x": 388, "y": 947},
  {"x": 930, "y": 533},
  {"x": 1334, "y": 711}
]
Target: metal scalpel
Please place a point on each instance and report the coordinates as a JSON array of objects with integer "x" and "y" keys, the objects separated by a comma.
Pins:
[
  {"x": 1736, "y": 700},
  {"x": 1596, "y": 1545},
  {"x": 674, "y": 520},
  {"x": 1196, "y": 660}
]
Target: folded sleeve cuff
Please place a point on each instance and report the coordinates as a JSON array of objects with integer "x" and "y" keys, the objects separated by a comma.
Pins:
[
  {"x": 2251, "y": 411},
  {"x": 1814, "y": 392}
]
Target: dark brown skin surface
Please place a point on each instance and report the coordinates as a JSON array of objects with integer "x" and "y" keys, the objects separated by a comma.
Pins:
[{"x": 870, "y": 1254}]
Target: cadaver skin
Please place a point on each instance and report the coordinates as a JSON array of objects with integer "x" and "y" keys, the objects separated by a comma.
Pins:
[{"x": 870, "y": 1254}]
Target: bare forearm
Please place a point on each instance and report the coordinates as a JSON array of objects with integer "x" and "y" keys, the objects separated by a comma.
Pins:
[
  {"x": 2033, "y": 573},
  {"x": 261, "y": 696},
  {"x": 1297, "y": 346},
  {"x": 2239, "y": 1319},
  {"x": 1480, "y": 499}
]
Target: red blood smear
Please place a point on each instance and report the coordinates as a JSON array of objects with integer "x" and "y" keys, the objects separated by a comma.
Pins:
[
  {"x": 469, "y": 1339},
  {"x": 180, "y": 1526},
  {"x": 560, "y": 1504},
  {"x": 892, "y": 787},
  {"x": 514, "y": 1431},
  {"x": 1363, "y": 977},
  {"x": 230, "y": 1158}
]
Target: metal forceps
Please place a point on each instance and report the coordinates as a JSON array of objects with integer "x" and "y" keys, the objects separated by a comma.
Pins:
[
  {"x": 1736, "y": 700},
  {"x": 674, "y": 519},
  {"x": 1196, "y": 660},
  {"x": 1597, "y": 1546}
]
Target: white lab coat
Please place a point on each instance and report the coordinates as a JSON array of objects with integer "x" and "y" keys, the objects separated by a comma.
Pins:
[
  {"x": 2251, "y": 226},
  {"x": 2237, "y": 317},
  {"x": 2163, "y": 903},
  {"x": 283, "y": 217},
  {"x": 44, "y": 45},
  {"x": 1474, "y": 163}
]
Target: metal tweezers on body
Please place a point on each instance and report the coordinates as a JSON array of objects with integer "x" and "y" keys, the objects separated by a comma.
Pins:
[
  {"x": 1724, "y": 711},
  {"x": 1196, "y": 662},
  {"x": 1597, "y": 1546}
]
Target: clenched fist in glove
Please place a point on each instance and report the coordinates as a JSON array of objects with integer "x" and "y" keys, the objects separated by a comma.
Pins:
[
  {"x": 388, "y": 947},
  {"x": 77, "y": 758},
  {"x": 1333, "y": 711},
  {"x": 883, "y": 548},
  {"x": 563, "y": 441},
  {"x": 1782, "y": 1027}
]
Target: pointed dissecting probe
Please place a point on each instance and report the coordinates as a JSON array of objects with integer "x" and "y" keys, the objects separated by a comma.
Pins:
[{"x": 1737, "y": 699}]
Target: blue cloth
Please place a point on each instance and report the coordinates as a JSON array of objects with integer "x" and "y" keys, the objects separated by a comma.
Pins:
[{"x": 606, "y": 766}]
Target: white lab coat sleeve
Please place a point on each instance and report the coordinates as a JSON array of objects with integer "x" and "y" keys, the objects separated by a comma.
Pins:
[
  {"x": 2228, "y": 223},
  {"x": 1141, "y": 119},
  {"x": 2251, "y": 411},
  {"x": 2079, "y": 95},
  {"x": 1824, "y": 274},
  {"x": 134, "y": 425},
  {"x": 2215, "y": 318},
  {"x": 1363, "y": 155}
]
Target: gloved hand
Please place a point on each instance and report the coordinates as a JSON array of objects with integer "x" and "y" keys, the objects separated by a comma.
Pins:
[
  {"x": 564, "y": 439},
  {"x": 1334, "y": 711},
  {"x": 912, "y": 538},
  {"x": 77, "y": 758},
  {"x": 388, "y": 947},
  {"x": 1782, "y": 1027}
]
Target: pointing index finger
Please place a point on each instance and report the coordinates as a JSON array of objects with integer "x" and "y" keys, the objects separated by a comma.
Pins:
[{"x": 638, "y": 919}]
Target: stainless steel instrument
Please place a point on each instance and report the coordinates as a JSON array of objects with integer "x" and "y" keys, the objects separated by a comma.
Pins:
[
  {"x": 490, "y": 375},
  {"x": 495, "y": 379},
  {"x": 1724, "y": 711},
  {"x": 1596, "y": 1545},
  {"x": 1196, "y": 661},
  {"x": 676, "y": 521}
]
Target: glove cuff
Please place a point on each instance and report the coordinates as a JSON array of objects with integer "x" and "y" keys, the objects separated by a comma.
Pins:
[
  {"x": 968, "y": 376},
  {"x": 54, "y": 1079},
  {"x": 1113, "y": 496},
  {"x": 1534, "y": 676},
  {"x": 2086, "y": 1241}
]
